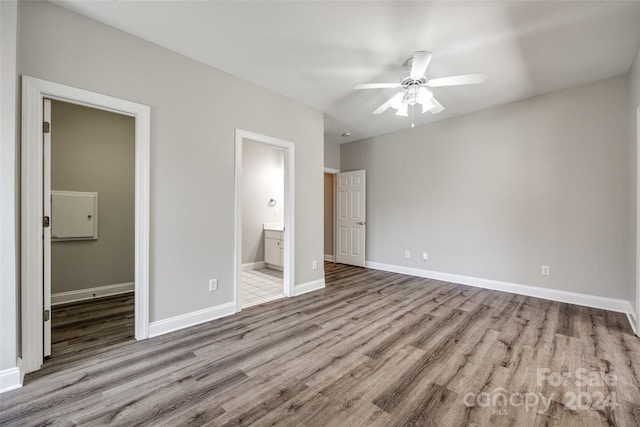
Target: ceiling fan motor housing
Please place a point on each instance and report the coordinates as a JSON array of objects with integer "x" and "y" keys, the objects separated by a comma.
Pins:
[{"x": 409, "y": 81}]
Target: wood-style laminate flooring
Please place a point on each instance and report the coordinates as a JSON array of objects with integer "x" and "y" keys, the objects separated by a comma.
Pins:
[
  {"x": 372, "y": 349},
  {"x": 84, "y": 329}
]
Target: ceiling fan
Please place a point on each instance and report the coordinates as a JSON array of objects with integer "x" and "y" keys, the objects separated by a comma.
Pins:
[{"x": 414, "y": 87}]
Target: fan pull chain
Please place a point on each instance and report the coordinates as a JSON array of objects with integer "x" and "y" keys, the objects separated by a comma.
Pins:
[{"x": 412, "y": 105}]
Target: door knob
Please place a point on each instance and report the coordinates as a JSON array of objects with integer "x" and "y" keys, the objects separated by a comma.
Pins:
[{"x": 361, "y": 222}]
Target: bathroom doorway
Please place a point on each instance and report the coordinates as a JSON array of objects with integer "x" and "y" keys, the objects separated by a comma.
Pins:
[{"x": 264, "y": 219}]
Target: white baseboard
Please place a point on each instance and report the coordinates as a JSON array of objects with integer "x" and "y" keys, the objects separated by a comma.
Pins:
[
  {"x": 611, "y": 304},
  {"x": 182, "y": 321},
  {"x": 91, "y": 293},
  {"x": 633, "y": 319},
  {"x": 329, "y": 258},
  {"x": 10, "y": 379},
  {"x": 253, "y": 265},
  {"x": 308, "y": 287}
]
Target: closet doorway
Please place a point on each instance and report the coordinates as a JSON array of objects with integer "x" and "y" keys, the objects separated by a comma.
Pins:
[
  {"x": 35, "y": 257},
  {"x": 89, "y": 196}
]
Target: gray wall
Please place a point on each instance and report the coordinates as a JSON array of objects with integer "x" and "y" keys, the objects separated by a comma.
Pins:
[
  {"x": 332, "y": 155},
  {"x": 9, "y": 155},
  {"x": 94, "y": 150},
  {"x": 195, "y": 110},
  {"x": 262, "y": 179},
  {"x": 328, "y": 213},
  {"x": 497, "y": 193},
  {"x": 634, "y": 104}
]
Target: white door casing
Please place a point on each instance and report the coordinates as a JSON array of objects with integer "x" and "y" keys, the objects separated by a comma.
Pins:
[
  {"x": 34, "y": 91},
  {"x": 351, "y": 218},
  {"x": 288, "y": 255},
  {"x": 46, "y": 203},
  {"x": 637, "y": 257}
]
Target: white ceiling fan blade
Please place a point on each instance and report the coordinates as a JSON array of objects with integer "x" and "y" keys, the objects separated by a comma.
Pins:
[
  {"x": 381, "y": 109},
  {"x": 465, "y": 79},
  {"x": 394, "y": 102},
  {"x": 438, "y": 108},
  {"x": 420, "y": 63},
  {"x": 377, "y": 86}
]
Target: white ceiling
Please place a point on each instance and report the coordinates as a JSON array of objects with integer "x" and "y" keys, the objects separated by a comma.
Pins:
[{"x": 315, "y": 52}]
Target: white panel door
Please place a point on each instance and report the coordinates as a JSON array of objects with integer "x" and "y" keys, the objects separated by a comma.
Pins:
[
  {"x": 46, "y": 292},
  {"x": 350, "y": 218}
]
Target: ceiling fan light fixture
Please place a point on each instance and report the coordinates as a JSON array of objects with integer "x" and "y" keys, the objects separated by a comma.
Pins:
[
  {"x": 396, "y": 101},
  {"x": 403, "y": 110},
  {"x": 424, "y": 95},
  {"x": 427, "y": 106},
  {"x": 412, "y": 97}
]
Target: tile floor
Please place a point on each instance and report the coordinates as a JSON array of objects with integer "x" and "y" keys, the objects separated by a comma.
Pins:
[{"x": 261, "y": 285}]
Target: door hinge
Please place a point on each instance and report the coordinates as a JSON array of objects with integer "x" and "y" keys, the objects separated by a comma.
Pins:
[
  {"x": 45, "y": 315},
  {"x": 46, "y": 127},
  {"x": 46, "y": 221}
]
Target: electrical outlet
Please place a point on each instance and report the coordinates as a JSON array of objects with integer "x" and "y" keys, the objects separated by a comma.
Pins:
[
  {"x": 425, "y": 256},
  {"x": 545, "y": 270},
  {"x": 407, "y": 254},
  {"x": 213, "y": 285},
  {"x": 314, "y": 264}
]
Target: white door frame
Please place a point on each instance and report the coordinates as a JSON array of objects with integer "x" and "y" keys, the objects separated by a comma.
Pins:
[
  {"x": 32, "y": 271},
  {"x": 637, "y": 257},
  {"x": 46, "y": 206},
  {"x": 289, "y": 211}
]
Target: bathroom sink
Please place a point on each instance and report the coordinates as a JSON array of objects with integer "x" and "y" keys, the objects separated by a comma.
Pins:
[{"x": 274, "y": 226}]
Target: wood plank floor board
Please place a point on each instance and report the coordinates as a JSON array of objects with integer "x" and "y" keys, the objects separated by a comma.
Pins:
[
  {"x": 396, "y": 396},
  {"x": 432, "y": 404},
  {"x": 88, "y": 331},
  {"x": 261, "y": 405},
  {"x": 371, "y": 349},
  {"x": 312, "y": 366},
  {"x": 465, "y": 365},
  {"x": 174, "y": 396}
]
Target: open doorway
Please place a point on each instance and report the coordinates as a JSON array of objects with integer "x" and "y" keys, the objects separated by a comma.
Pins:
[
  {"x": 329, "y": 213},
  {"x": 264, "y": 253},
  {"x": 263, "y": 206},
  {"x": 89, "y": 196},
  {"x": 36, "y": 301}
]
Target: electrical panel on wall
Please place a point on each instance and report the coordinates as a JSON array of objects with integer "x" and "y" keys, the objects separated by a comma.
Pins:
[{"x": 74, "y": 215}]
